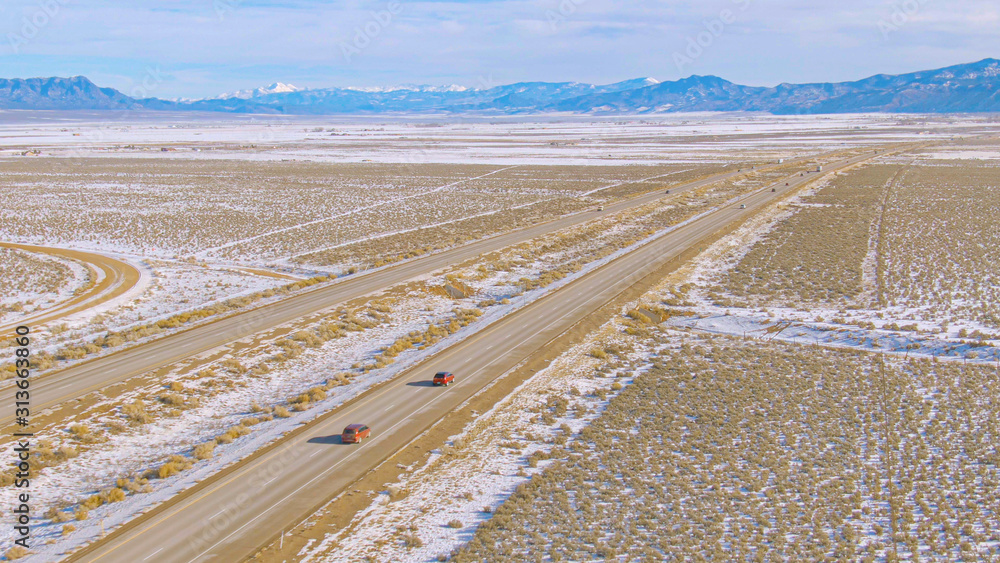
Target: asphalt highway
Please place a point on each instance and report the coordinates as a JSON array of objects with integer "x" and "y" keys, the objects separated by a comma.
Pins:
[
  {"x": 93, "y": 375},
  {"x": 232, "y": 517}
]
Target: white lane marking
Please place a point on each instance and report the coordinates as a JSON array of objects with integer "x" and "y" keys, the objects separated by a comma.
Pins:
[
  {"x": 389, "y": 407},
  {"x": 489, "y": 347},
  {"x": 273, "y": 478},
  {"x": 314, "y": 453},
  {"x": 152, "y": 554}
]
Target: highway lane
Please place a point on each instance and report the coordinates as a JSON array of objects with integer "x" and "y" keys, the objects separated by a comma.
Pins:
[
  {"x": 113, "y": 278},
  {"x": 231, "y": 518},
  {"x": 93, "y": 375}
]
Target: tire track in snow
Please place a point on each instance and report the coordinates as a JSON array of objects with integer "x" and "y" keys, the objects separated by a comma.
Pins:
[
  {"x": 595, "y": 190},
  {"x": 412, "y": 229},
  {"x": 207, "y": 251}
]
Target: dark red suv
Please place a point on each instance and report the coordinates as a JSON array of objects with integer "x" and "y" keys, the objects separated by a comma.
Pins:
[
  {"x": 443, "y": 378},
  {"x": 354, "y": 433}
]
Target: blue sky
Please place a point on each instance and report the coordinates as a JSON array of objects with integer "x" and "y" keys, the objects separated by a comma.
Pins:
[{"x": 200, "y": 48}]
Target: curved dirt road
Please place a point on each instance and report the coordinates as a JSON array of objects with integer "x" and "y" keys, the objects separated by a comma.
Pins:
[{"x": 111, "y": 278}]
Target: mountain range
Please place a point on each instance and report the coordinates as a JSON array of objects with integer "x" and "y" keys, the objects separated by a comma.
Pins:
[{"x": 966, "y": 88}]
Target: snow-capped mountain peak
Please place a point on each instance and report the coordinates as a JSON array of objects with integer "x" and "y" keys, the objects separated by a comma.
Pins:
[
  {"x": 408, "y": 88},
  {"x": 275, "y": 88}
]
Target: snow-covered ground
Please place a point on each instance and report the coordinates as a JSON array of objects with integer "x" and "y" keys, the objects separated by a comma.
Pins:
[
  {"x": 762, "y": 326},
  {"x": 34, "y": 282},
  {"x": 563, "y": 140},
  {"x": 964, "y": 154},
  {"x": 130, "y": 451},
  {"x": 898, "y": 329}
]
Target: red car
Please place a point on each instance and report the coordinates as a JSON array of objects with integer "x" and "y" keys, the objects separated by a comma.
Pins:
[
  {"x": 443, "y": 378},
  {"x": 354, "y": 433}
]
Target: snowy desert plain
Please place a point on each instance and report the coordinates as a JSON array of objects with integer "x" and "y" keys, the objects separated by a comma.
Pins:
[{"x": 819, "y": 383}]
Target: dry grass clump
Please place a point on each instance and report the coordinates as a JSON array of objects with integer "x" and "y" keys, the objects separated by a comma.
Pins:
[
  {"x": 57, "y": 515},
  {"x": 135, "y": 412},
  {"x": 205, "y": 450},
  {"x": 397, "y": 493},
  {"x": 178, "y": 400},
  {"x": 176, "y": 464},
  {"x": 134, "y": 485},
  {"x": 397, "y": 347},
  {"x": 16, "y": 552},
  {"x": 40, "y": 361},
  {"x": 233, "y": 365},
  {"x": 726, "y": 452},
  {"x": 598, "y": 353},
  {"x": 339, "y": 379},
  {"x": 304, "y": 400},
  {"x": 231, "y": 434},
  {"x": 412, "y": 541},
  {"x": 79, "y": 430},
  {"x": 108, "y": 496}
]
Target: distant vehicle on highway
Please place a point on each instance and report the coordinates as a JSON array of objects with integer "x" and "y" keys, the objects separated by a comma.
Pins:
[
  {"x": 354, "y": 433},
  {"x": 774, "y": 190},
  {"x": 668, "y": 192},
  {"x": 600, "y": 208},
  {"x": 443, "y": 378},
  {"x": 743, "y": 206}
]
